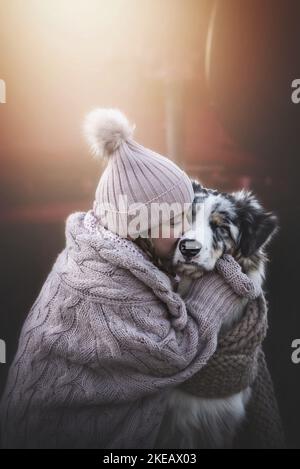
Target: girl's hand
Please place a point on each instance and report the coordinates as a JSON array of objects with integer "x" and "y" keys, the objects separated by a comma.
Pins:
[{"x": 231, "y": 271}]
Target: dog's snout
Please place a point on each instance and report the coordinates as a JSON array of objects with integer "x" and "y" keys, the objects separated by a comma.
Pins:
[{"x": 189, "y": 247}]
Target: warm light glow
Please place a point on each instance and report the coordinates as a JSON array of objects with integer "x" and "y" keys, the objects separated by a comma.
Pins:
[
  {"x": 61, "y": 58},
  {"x": 58, "y": 23},
  {"x": 209, "y": 41}
]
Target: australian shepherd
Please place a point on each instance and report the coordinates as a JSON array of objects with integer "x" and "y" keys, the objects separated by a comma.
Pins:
[{"x": 221, "y": 223}]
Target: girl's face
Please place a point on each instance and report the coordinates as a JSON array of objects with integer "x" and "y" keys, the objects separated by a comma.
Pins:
[{"x": 165, "y": 245}]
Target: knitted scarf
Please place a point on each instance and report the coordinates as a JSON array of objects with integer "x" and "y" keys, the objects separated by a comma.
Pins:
[
  {"x": 234, "y": 366},
  {"x": 239, "y": 362}
]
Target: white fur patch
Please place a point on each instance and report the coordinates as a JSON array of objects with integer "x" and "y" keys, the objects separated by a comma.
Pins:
[{"x": 194, "y": 422}]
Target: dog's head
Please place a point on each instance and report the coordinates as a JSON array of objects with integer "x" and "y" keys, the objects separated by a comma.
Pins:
[{"x": 223, "y": 223}]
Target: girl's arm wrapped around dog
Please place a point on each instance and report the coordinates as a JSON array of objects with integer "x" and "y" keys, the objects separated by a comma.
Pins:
[{"x": 219, "y": 293}]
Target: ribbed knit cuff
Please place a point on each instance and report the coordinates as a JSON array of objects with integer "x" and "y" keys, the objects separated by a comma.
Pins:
[
  {"x": 212, "y": 297},
  {"x": 231, "y": 271}
]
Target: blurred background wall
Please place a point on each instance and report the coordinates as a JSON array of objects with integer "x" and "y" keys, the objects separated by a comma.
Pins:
[{"x": 207, "y": 83}]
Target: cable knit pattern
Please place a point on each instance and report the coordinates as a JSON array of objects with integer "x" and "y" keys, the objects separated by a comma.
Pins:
[
  {"x": 93, "y": 225},
  {"x": 103, "y": 345}
]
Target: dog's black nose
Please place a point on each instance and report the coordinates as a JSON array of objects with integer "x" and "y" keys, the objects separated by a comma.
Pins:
[{"x": 189, "y": 247}]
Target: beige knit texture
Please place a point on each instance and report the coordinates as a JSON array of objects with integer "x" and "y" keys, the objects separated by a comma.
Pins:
[
  {"x": 102, "y": 346},
  {"x": 234, "y": 365},
  {"x": 239, "y": 362}
]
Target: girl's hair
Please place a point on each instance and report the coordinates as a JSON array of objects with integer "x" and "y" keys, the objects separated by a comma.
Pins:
[{"x": 147, "y": 246}]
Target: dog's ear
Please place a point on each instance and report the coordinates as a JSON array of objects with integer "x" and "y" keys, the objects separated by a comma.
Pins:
[
  {"x": 258, "y": 233},
  {"x": 257, "y": 227},
  {"x": 197, "y": 186}
]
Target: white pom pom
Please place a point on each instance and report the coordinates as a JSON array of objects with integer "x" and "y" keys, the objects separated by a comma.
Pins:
[{"x": 105, "y": 129}]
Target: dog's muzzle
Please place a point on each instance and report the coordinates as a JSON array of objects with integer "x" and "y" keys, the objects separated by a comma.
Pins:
[{"x": 189, "y": 248}]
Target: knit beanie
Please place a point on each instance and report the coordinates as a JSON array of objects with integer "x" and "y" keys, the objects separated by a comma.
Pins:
[{"x": 139, "y": 188}]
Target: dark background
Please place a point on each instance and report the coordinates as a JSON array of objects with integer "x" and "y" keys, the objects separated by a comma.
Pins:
[{"x": 207, "y": 83}]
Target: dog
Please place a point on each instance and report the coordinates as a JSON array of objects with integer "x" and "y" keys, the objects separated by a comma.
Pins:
[{"x": 220, "y": 223}]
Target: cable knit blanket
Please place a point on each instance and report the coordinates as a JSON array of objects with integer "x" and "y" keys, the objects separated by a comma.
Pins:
[{"x": 104, "y": 343}]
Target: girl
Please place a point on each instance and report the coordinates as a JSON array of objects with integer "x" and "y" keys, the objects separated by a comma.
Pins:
[{"x": 107, "y": 338}]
